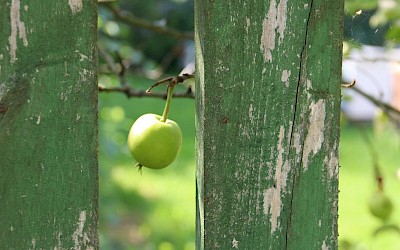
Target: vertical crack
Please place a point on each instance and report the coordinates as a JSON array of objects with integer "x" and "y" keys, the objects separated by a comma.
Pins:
[{"x": 293, "y": 124}]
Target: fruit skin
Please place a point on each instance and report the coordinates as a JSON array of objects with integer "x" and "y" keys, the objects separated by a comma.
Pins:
[
  {"x": 154, "y": 144},
  {"x": 380, "y": 206}
]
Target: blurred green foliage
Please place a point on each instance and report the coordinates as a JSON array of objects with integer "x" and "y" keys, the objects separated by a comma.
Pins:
[
  {"x": 373, "y": 22},
  {"x": 145, "y": 50}
]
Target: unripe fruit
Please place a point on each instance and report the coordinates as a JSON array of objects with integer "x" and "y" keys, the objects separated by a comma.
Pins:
[
  {"x": 153, "y": 143},
  {"x": 380, "y": 206}
]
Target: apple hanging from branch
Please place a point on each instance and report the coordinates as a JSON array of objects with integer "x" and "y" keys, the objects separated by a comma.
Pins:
[{"x": 155, "y": 141}]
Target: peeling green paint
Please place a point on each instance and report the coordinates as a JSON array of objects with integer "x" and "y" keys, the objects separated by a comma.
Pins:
[
  {"x": 267, "y": 123},
  {"x": 48, "y": 125}
]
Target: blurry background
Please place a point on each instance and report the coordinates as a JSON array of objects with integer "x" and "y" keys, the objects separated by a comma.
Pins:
[{"x": 141, "y": 42}]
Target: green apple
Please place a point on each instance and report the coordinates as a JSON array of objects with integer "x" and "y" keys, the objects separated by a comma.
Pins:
[
  {"x": 380, "y": 205},
  {"x": 154, "y": 143}
]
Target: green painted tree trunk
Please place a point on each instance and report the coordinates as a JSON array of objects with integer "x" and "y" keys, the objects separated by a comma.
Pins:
[
  {"x": 48, "y": 124},
  {"x": 267, "y": 115}
]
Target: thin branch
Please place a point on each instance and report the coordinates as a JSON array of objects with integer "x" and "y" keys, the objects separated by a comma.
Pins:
[
  {"x": 370, "y": 60},
  {"x": 392, "y": 113},
  {"x": 132, "y": 20},
  {"x": 171, "y": 81},
  {"x": 374, "y": 155},
  {"x": 348, "y": 85},
  {"x": 376, "y": 101},
  {"x": 130, "y": 92},
  {"x": 107, "y": 58}
]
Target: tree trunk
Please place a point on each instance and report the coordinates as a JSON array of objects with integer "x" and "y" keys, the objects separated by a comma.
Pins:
[
  {"x": 267, "y": 123},
  {"x": 48, "y": 125}
]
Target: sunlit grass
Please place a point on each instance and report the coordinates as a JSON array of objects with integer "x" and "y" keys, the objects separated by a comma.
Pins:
[{"x": 357, "y": 184}]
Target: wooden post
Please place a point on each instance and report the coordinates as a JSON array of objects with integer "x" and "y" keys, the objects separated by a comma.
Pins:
[
  {"x": 267, "y": 116},
  {"x": 48, "y": 124}
]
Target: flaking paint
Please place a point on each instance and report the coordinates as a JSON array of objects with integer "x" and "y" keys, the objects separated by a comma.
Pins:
[
  {"x": 80, "y": 237},
  {"x": 17, "y": 29},
  {"x": 331, "y": 162},
  {"x": 285, "y": 77},
  {"x": 75, "y": 5},
  {"x": 274, "y": 21},
  {"x": 315, "y": 131},
  {"x": 273, "y": 195},
  {"x": 324, "y": 246},
  {"x": 235, "y": 243}
]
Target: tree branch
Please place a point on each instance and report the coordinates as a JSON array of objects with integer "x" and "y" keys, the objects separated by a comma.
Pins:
[
  {"x": 130, "y": 92},
  {"x": 377, "y": 102},
  {"x": 391, "y": 112},
  {"x": 132, "y": 20}
]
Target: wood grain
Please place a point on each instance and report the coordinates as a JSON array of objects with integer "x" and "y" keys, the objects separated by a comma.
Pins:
[
  {"x": 48, "y": 125},
  {"x": 267, "y": 123}
]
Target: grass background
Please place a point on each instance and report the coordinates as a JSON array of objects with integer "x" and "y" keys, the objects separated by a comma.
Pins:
[
  {"x": 357, "y": 184},
  {"x": 156, "y": 210}
]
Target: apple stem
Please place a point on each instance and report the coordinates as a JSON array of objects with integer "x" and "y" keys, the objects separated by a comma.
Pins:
[{"x": 170, "y": 90}]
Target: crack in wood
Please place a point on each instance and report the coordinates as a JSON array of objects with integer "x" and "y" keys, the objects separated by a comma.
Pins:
[{"x": 296, "y": 170}]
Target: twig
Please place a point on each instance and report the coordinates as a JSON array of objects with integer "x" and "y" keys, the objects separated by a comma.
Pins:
[
  {"x": 374, "y": 155},
  {"x": 130, "y": 92},
  {"x": 348, "y": 85},
  {"x": 379, "y": 103},
  {"x": 132, "y": 20},
  {"x": 112, "y": 65},
  {"x": 171, "y": 81},
  {"x": 107, "y": 58},
  {"x": 386, "y": 107}
]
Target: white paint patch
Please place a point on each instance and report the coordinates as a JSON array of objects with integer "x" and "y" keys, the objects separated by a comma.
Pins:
[
  {"x": 297, "y": 143},
  {"x": 282, "y": 169},
  {"x": 235, "y": 243},
  {"x": 272, "y": 206},
  {"x": 66, "y": 69},
  {"x": 33, "y": 243},
  {"x": 268, "y": 33},
  {"x": 308, "y": 88},
  {"x": 3, "y": 90},
  {"x": 84, "y": 74},
  {"x": 58, "y": 247},
  {"x": 83, "y": 57},
  {"x": 221, "y": 67},
  {"x": 275, "y": 20},
  {"x": 79, "y": 237},
  {"x": 272, "y": 196},
  {"x": 17, "y": 28},
  {"x": 285, "y": 77},
  {"x": 234, "y": 85},
  {"x": 324, "y": 246},
  {"x": 281, "y": 19},
  {"x": 75, "y": 5},
  {"x": 38, "y": 119},
  {"x": 331, "y": 163},
  {"x": 315, "y": 136},
  {"x": 247, "y": 24},
  {"x": 251, "y": 109}
]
